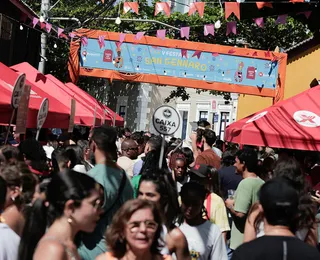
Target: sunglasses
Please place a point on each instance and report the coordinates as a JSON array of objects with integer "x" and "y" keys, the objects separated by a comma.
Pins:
[{"x": 150, "y": 226}]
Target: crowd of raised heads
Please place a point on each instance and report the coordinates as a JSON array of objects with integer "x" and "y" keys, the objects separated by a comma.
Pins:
[{"x": 108, "y": 193}]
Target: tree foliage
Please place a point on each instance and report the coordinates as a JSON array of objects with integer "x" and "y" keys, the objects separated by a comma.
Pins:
[{"x": 269, "y": 37}]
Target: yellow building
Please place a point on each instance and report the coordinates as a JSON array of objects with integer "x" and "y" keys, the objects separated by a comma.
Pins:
[{"x": 303, "y": 67}]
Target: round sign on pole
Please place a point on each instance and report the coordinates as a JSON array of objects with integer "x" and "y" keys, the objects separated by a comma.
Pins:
[
  {"x": 17, "y": 91},
  {"x": 42, "y": 113},
  {"x": 166, "y": 120}
]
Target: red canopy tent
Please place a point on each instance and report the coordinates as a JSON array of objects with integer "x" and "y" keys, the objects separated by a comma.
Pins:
[
  {"x": 110, "y": 115},
  {"x": 58, "y": 115},
  {"x": 293, "y": 123},
  {"x": 82, "y": 116},
  {"x": 78, "y": 98}
]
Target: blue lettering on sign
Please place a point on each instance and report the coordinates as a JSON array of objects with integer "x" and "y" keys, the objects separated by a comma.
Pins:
[{"x": 140, "y": 58}]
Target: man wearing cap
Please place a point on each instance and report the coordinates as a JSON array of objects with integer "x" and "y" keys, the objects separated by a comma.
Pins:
[
  {"x": 279, "y": 202},
  {"x": 214, "y": 204}
]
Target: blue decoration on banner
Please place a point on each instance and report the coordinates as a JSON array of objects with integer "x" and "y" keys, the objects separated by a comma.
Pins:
[{"x": 146, "y": 59}]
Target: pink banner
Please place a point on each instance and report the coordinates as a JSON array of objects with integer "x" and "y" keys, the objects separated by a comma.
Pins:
[
  {"x": 185, "y": 32},
  {"x": 209, "y": 29}
]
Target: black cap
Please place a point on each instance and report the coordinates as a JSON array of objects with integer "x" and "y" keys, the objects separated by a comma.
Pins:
[
  {"x": 279, "y": 201},
  {"x": 201, "y": 170}
]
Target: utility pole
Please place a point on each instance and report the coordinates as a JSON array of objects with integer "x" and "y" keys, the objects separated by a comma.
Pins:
[{"x": 45, "y": 6}]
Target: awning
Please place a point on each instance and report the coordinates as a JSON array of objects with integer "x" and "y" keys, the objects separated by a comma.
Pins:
[
  {"x": 293, "y": 123},
  {"x": 82, "y": 117},
  {"x": 110, "y": 115},
  {"x": 58, "y": 115}
]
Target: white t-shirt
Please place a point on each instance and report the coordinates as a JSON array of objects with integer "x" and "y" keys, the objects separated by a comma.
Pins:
[
  {"x": 9, "y": 243},
  {"x": 205, "y": 241},
  {"x": 126, "y": 164}
]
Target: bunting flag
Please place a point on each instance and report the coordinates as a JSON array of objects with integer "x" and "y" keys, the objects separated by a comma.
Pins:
[
  {"x": 48, "y": 27},
  {"x": 260, "y": 5},
  {"x": 184, "y": 53},
  {"x": 282, "y": 19},
  {"x": 231, "y": 27},
  {"x": 60, "y": 31},
  {"x": 259, "y": 22},
  {"x": 267, "y": 54},
  {"x": 162, "y": 6},
  {"x": 161, "y": 34},
  {"x": 42, "y": 25},
  {"x": 84, "y": 41},
  {"x": 306, "y": 14},
  {"x": 35, "y": 21},
  {"x": 127, "y": 6},
  {"x": 72, "y": 35},
  {"x": 208, "y": 29},
  {"x": 139, "y": 35},
  {"x": 255, "y": 54},
  {"x": 122, "y": 37},
  {"x": 197, "y": 53},
  {"x": 101, "y": 41},
  {"x": 232, "y": 7},
  {"x": 197, "y": 6},
  {"x": 232, "y": 50},
  {"x": 215, "y": 54},
  {"x": 185, "y": 32}
]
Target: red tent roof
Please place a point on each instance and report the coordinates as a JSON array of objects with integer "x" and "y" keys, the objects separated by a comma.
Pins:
[
  {"x": 293, "y": 123},
  {"x": 82, "y": 117},
  {"x": 58, "y": 115},
  {"x": 100, "y": 107}
]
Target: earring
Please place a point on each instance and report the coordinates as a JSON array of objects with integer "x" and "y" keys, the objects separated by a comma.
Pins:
[
  {"x": 13, "y": 198},
  {"x": 69, "y": 220}
]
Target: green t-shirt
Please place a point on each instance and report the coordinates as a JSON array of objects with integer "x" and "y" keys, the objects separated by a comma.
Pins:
[
  {"x": 245, "y": 195},
  {"x": 109, "y": 178},
  {"x": 135, "y": 183}
]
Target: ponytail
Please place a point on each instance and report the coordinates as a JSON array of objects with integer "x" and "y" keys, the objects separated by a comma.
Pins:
[{"x": 34, "y": 229}]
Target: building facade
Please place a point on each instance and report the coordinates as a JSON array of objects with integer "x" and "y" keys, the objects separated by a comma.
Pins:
[{"x": 136, "y": 104}]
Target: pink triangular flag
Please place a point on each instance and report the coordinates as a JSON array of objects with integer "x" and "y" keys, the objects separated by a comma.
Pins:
[
  {"x": 72, "y": 35},
  {"x": 209, "y": 29},
  {"x": 197, "y": 53},
  {"x": 184, "y": 32},
  {"x": 306, "y": 13},
  {"x": 60, "y": 31},
  {"x": 267, "y": 54},
  {"x": 35, "y": 21},
  {"x": 48, "y": 27},
  {"x": 232, "y": 50},
  {"x": 282, "y": 19},
  {"x": 259, "y": 22},
  {"x": 101, "y": 41},
  {"x": 84, "y": 41},
  {"x": 161, "y": 34},
  {"x": 139, "y": 35},
  {"x": 162, "y": 6},
  {"x": 122, "y": 37},
  {"x": 42, "y": 25},
  {"x": 215, "y": 54},
  {"x": 231, "y": 27},
  {"x": 184, "y": 53},
  {"x": 255, "y": 54}
]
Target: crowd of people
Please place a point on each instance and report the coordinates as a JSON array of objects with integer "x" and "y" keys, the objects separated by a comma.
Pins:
[{"x": 104, "y": 196}]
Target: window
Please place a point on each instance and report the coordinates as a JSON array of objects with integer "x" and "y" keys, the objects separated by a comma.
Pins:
[
  {"x": 5, "y": 28},
  {"x": 122, "y": 111},
  {"x": 203, "y": 115}
]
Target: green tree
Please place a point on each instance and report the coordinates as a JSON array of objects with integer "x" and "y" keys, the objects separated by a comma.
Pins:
[{"x": 269, "y": 37}]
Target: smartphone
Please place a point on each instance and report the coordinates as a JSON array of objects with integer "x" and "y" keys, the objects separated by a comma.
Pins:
[{"x": 313, "y": 193}]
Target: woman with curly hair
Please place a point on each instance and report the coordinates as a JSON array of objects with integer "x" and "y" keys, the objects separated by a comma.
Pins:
[{"x": 178, "y": 166}]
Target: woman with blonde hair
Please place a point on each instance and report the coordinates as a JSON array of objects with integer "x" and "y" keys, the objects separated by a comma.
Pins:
[{"x": 134, "y": 232}]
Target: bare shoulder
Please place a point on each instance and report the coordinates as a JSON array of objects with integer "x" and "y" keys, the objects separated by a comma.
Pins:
[
  {"x": 101, "y": 257},
  {"x": 50, "y": 249},
  {"x": 176, "y": 234}
]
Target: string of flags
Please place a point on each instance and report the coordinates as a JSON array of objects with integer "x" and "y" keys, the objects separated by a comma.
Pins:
[{"x": 195, "y": 7}]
